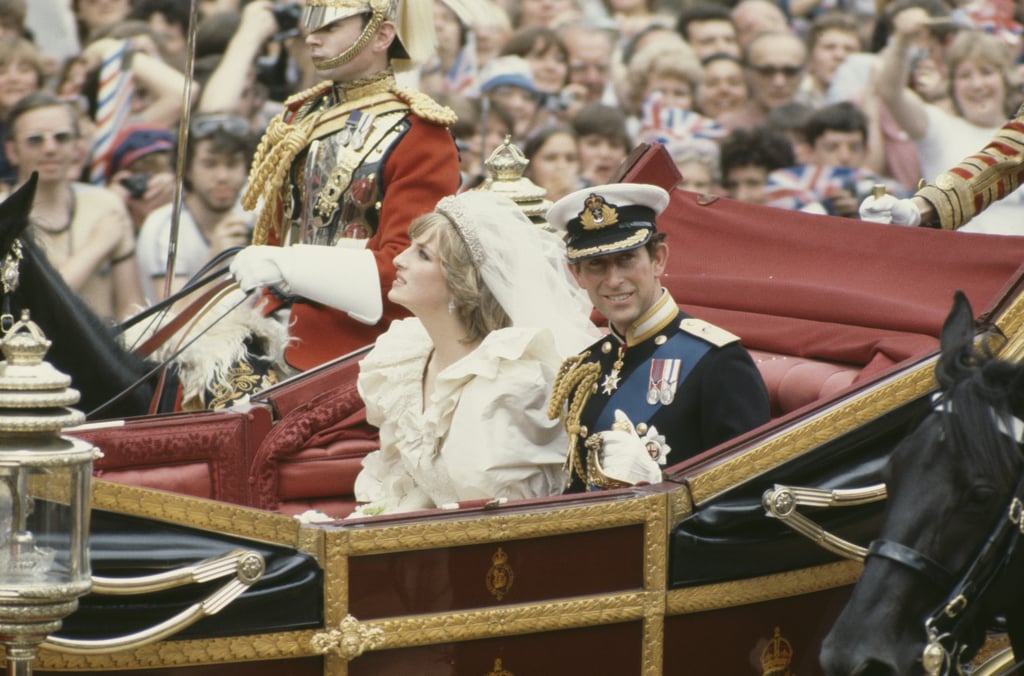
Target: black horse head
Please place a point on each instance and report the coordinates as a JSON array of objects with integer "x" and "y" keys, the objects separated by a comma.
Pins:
[
  {"x": 84, "y": 346},
  {"x": 949, "y": 487}
]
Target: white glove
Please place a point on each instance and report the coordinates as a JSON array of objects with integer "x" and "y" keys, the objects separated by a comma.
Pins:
[
  {"x": 343, "y": 278},
  {"x": 888, "y": 209},
  {"x": 628, "y": 457}
]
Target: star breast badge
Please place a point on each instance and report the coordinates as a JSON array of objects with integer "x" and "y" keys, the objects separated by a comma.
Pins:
[{"x": 611, "y": 382}]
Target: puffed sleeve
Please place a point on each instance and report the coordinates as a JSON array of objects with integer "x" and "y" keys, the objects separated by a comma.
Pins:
[{"x": 501, "y": 442}]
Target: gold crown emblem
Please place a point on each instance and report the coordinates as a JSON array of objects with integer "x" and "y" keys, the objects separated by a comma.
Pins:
[
  {"x": 776, "y": 656},
  {"x": 499, "y": 577},
  {"x": 597, "y": 213}
]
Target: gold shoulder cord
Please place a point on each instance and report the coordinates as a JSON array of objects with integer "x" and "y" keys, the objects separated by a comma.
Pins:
[
  {"x": 273, "y": 159},
  {"x": 581, "y": 378}
]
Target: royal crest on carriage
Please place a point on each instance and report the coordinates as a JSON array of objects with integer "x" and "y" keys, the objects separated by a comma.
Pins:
[{"x": 777, "y": 656}]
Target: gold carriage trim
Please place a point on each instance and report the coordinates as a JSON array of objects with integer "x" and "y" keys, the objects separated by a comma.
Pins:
[{"x": 639, "y": 237}]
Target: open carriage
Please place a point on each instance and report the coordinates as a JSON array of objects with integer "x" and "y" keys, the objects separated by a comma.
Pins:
[{"x": 686, "y": 576}]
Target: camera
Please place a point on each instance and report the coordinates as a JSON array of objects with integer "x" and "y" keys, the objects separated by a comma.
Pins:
[
  {"x": 136, "y": 185},
  {"x": 287, "y": 17}
]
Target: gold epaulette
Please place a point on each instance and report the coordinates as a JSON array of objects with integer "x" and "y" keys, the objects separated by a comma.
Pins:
[
  {"x": 715, "y": 335},
  {"x": 422, "y": 105}
]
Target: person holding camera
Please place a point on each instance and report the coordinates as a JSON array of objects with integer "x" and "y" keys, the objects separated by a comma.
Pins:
[
  {"x": 245, "y": 66},
  {"x": 212, "y": 219},
  {"x": 141, "y": 169},
  {"x": 341, "y": 174}
]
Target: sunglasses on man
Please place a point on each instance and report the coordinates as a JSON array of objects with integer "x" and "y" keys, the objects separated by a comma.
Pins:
[{"x": 37, "y": 139}]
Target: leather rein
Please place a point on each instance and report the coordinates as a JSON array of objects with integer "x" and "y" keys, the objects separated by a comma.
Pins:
[{"x": 947, "y": 625}]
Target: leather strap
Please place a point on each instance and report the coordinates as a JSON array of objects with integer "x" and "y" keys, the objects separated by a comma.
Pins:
[
  {"x": 173, "y": 326},
  {"x": 913, "y": 559}
]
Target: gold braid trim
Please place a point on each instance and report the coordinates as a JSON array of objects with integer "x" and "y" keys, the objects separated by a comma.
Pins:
[
  {"x": 573, "y": 376},
  {"x": 278, "y": 148},
  {"x": 427, "y": 108}
]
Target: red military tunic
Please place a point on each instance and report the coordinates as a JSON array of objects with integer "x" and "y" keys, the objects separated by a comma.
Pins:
[{"x": 404, "y": 161}]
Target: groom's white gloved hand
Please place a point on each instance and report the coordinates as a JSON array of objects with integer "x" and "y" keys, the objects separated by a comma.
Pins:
[
  {"x": 627, "y": 456},
  {"x": 341, "y": 277}
]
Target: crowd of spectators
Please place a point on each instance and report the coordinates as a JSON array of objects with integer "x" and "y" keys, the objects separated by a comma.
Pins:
[{"x": 800, "y": 104}]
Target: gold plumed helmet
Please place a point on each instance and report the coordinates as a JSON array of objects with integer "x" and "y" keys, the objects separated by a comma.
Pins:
[{"x": 413, "y": 19}]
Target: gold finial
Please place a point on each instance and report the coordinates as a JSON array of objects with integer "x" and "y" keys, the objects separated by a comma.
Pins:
[
  {"x": 505, "y": 167},
  {"x": 878, "y": 191}
]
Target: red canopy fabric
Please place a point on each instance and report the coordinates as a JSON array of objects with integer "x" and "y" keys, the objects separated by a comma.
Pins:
[{"x": 821, "y": 286}]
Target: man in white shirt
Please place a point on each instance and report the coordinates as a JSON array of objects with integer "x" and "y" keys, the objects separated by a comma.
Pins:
[{"x": 216, "y": 166}]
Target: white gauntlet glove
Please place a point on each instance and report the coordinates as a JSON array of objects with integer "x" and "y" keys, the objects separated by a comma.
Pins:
[
  {"x": 256, "y": 266},
  {"x": 888, "y": 209},
  {"x": 343, "y": 278},
  {"x": 626, "y": 456}
]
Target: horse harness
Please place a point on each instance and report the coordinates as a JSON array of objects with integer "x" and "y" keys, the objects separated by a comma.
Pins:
[
  {"x": 947, "y": 625},
  {"x": 9, "y": 280}
]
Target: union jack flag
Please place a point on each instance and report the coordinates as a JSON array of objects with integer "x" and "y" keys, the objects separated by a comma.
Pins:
[
  {"x": 802, "y": 185},
  {"x": 799, "y": 186},
  {"x": 664, "y": 124}
]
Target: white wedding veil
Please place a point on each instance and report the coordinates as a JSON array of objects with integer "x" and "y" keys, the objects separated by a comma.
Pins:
[{"x": 524, "y": 266}]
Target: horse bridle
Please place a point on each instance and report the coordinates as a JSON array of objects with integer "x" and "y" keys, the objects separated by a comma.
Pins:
[
  {"x": 949, "y": 622},
  {"x": 9, "y": 279}
]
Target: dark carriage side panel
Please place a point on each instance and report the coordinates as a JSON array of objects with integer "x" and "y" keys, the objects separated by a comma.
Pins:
[
  {"x": 773, "y": 637},
  {"x": 461, "y": 578},
  {"x": 288, "y": 597},
  {"x": 607, "y": 650},
  {"x": 730, "y": 538}
]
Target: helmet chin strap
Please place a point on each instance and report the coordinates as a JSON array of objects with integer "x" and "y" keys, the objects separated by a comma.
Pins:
[{"x": 376, "y": 19}]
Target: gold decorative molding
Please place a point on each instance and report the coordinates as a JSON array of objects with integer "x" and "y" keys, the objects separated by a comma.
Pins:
[
  {"x": 496, "y": 527},
  {"x": 823, "y": 427},
  {"x": 764, "y": 588},
  {"x": 187, "y": 653},
  {"x": 468, "y": 625},
  {"x": 680, "y": 505},
  {"x": 1011, "y": 320},
  {"x": 185, "y": 510},
  {"x": 653, "y": 652},
  {"x": 336, "y": 580},
  {"x": 1010, "y": 325},
  {"x": 350, "y": 640}
]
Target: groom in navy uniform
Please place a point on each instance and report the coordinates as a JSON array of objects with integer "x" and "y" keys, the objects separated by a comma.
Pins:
[{"x": 662, "y": 386}]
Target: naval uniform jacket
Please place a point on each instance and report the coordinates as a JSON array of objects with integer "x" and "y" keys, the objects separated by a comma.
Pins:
[
  {"x": 384, "y": 156},
  {"x": 718, "y": 392}
]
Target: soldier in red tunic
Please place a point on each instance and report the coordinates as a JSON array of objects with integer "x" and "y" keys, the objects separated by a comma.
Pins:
[{"x": 341, "y": 173}]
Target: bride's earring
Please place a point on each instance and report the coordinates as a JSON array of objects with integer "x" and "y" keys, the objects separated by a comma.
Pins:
[{"x": 451, "y": 306}]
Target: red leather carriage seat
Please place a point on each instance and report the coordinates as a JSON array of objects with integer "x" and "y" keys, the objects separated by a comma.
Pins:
[
  {"x": 794, "y": 382},
  {"x": 312, "y": 456},
  {"x": 206, "y": 454}
]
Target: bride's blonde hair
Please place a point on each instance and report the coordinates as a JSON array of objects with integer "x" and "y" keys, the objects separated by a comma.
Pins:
[{"x": 474, "y": 304}]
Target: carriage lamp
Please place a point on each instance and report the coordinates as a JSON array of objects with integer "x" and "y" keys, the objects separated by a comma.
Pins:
[{"x": 44, "y": 497}]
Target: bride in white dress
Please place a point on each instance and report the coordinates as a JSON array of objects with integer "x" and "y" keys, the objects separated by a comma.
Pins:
[{"x": 459, "y": 391}]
